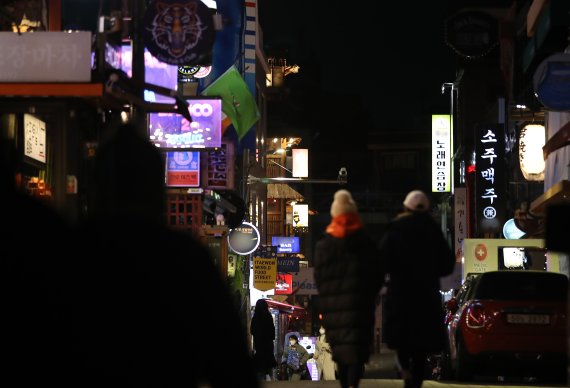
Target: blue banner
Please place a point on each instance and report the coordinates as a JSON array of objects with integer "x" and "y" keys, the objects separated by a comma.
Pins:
[
  {"x": 286, "y": 244},
  {"x": 288, "y": 263}
]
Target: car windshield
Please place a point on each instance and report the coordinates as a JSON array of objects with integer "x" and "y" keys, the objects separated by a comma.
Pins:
[{"x": 522, "y": 285}]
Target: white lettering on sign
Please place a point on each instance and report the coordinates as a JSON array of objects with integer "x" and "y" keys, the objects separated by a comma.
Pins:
[
  {"x": 488, "y": 174},
  {"x": 45, "y": 57},
  {"x": 184, "y": 138},
  {"x": 201, "y": 110},
  {"x": 489, "y": 137},
  {"x": 489, "y": 154}
]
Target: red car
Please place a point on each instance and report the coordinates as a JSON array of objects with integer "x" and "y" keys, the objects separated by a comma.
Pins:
[{"x": 510, "y": 323}]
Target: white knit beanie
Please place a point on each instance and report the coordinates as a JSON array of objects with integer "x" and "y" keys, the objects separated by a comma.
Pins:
[
  {"x": 416, "y": 200},
  {"x": 343, "y": 203}
]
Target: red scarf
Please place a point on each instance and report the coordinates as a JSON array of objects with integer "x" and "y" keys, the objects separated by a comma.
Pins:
[{"x": 344, "y": 224}]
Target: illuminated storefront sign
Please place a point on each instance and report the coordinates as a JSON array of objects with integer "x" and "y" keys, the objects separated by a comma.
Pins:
[
  {"x": 155, "y": 72},
  {"x": 183, "y": 169},
  {"x": 300, "y": 162},
  {"x": 490, "y": 179},
  {"x": 286, "y": 244},
  {"x": 34, "y": 138},
  {"x": 441, "y": 153},
  {"x": 531, "y": 158},
  {"x": 495, "y": 254},
  {"x": 264, "y": 273},
  {"x": 172, "y": 131},
  {"x": 300, "y": 217},
  {"x": 288, "y": 263},
  {"x": 511, "y": 231},
  {"x": 218, "y": 171},
  {"x": 284, "y": 284},
  {"x": 42, "y": 56},
  {"x": 244, "y": 239}
]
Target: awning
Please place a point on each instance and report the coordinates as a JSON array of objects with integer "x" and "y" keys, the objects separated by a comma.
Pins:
[
  {"x": 558, "y": 193},
  {"x": 282, "y": 191},
  {"x": 286, "y": 307}
]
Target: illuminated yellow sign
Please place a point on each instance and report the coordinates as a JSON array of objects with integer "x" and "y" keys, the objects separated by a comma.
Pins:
[{"x": 264, "y": 273}]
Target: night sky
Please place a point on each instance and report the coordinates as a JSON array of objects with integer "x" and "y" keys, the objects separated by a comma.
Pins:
[
  {"x": 388, "y": 60},
  {"x": 364, "y": 67}
]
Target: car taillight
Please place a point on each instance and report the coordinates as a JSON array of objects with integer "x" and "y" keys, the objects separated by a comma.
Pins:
[{"x": 475, "y": 316}]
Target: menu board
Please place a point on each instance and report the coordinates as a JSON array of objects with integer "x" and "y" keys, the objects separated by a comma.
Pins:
[{"x": 34, "y": 138}]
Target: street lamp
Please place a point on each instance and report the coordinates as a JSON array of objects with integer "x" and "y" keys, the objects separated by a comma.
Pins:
[{"x": 454, "y": 88}]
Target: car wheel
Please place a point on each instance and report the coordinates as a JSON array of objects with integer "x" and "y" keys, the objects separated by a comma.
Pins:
[{"x": 464, "y": 367}]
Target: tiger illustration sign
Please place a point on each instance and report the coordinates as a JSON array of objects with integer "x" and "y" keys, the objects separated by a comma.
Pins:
[{"x": 179, "y": 32}]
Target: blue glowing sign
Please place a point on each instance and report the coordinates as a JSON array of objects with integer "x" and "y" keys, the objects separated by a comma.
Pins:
[{"x": 286, "y": 244}]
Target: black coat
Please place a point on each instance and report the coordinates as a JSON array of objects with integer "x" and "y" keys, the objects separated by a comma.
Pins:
[
  {"x": 153, "y": 310},
  {"x": 348, "y": 277},
  {"x": 416, "y": 255},
  {"x": 263, "y": 331}
]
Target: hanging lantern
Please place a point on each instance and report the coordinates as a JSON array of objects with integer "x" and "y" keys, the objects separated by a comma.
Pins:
[{"x": 531, "y": 141}]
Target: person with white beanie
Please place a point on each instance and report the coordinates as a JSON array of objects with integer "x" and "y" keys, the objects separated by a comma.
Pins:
[
  {"x": 348, "y": 276},
  {"x": 415, "y": 255}
]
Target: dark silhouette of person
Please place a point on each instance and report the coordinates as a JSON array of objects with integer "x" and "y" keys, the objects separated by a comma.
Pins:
[
  {"x": 415, "y": 254},
  {"x": 152, "y": 309},
  {"x": 348, "y": 276},
  {"x": 36, "y": 342},
  {"x": 262, "y": 329}
]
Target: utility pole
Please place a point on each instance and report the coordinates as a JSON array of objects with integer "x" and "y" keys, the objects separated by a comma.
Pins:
[{"x": 137, "y": 15}]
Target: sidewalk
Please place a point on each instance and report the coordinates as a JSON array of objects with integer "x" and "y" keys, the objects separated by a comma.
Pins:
[
  {"x": 381, "y": 365},
  {"x": 391, "y": 383},
  {"x": 380, "y": 372}
]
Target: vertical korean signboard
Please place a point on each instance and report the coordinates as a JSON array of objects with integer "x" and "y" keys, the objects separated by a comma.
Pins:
[
  {"x": 460, "y": 218},
  {"x": 441, "y": 153},
  {"x": 490, "y": 179},
  {"x": 219, "y": 168}
]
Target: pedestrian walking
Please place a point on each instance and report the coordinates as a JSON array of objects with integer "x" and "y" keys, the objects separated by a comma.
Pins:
[
  {"x": 323, "y": 356},
  {"x": 415, "y": 254},
  {"x": 348, "y": 276},
  {"x": 262, "y": 329}
]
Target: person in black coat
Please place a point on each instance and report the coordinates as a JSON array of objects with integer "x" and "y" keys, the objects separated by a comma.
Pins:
[
  {"x": 416, "y": 255},
  {"x": 35, "y": 261},
  {"x": 262, "y": 329},
  {"x": 150, "y": 303},
  {"x": 348, "y": 276}
]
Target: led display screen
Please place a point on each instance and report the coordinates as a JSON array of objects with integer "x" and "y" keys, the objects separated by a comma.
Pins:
[{"x": 171, "y": 131}]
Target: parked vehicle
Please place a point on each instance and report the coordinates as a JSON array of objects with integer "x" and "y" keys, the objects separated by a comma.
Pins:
[
  {"x": 509, "y": 323},
  {"x": 438, "y": 367}
]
